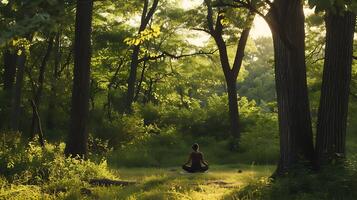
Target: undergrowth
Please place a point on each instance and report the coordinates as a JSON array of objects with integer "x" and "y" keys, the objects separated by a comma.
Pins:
[{"x": 29, "y": 171}]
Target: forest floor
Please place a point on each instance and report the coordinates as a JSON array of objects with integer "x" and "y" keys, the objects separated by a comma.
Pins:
[{"x": 220, "y": 182}]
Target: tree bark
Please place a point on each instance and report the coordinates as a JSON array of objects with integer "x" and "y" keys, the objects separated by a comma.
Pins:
[
  {"x": 140, "y": 82},
  {"x": 38, "y": 92},
  {"x": 17, "y": 92},
  {"x": 9, "y": 70},
  {"x": 40, "y": 133},
  {"x": 77, "y": 141},
  {"x": 296, "y": 141},
  {"x": 132, "y": 77},
  {"x": 8, "y": 80},
  {"x": 233, "y": 108},
  {"x": 50, "y": 122},
  {"x": 333, "y": 110}
]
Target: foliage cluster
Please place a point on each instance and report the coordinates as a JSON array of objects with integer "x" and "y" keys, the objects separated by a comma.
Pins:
[
  {"x": 164, "y": 134},
  {"x": 29, "y": 171}
]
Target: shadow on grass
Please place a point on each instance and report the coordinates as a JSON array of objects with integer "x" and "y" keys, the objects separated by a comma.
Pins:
[{"x": 338, "y": 182}]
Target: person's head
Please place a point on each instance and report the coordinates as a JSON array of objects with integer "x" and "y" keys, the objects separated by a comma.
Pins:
[{"x": 195, "y": 147}]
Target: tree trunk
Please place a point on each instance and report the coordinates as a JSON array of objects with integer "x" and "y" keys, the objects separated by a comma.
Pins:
[
  {"x": 40, "y": 133},
  {"x": 38, "y": 93},
  {"x": 233, "y": 109},
  {"x": 50, "y": 122},
  {"x": 77, "y": 141},
  {"x": 140, "y": 82},
  {"x": 296, "y": 143},
  {"x": 17, "y": 92},
  {"x": 132, "y": 77},
  {"x": 8, "y": 79},
  {"x": 9, "y": 70},
  {"x": 332, "y": 115}
]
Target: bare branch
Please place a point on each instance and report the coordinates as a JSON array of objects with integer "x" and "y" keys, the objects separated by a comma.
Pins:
[{"x": 202, "y": 29}]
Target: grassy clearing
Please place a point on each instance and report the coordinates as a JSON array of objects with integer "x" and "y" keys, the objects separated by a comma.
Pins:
[{"x": 172, "y": 183}]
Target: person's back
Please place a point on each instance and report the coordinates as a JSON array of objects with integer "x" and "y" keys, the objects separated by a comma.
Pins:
[{"x": 196, "y": 158}]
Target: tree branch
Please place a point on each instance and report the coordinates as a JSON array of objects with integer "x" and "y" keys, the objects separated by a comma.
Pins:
[
  {"x": 149, "y": 15},
  {"x": 240, "y": 52},
  {"x": 143, "y": 15},
  {"x": 173, "y": 56},
  {"x": 210, "y": 16},
  {"x": 202, "y": 29}
]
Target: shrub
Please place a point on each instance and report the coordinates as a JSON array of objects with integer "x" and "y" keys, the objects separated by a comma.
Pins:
[{"x": 26, "y": 167}]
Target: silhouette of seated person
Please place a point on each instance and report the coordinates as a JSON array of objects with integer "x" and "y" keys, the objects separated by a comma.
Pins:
[{"x": 196, "y": 159}]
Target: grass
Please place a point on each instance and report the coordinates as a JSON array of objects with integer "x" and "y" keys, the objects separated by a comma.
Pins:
[{"x": 172, "y": 183}]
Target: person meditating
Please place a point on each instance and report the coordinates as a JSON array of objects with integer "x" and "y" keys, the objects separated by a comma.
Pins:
[{"x": 196, "y": 158}]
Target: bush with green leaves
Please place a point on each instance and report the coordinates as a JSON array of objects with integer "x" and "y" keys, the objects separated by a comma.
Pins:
[{"x": 25, "y": 167}]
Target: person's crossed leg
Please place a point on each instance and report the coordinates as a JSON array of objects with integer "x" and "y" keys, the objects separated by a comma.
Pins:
[{"x": 193, "y": 169}]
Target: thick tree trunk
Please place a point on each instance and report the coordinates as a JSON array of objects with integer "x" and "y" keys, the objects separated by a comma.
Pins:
[
  {"x": 38, "y": 92},
  {"x": 17, "y": 92},
  {"x": 77, "y": 142},
  {"x": 233, "y": 108},
  {"x": 332, "y": 115},
  {"x": 296, "y": 143}
]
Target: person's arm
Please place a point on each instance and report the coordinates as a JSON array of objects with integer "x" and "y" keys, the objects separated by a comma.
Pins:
[
  {"x": 189, "y": 159},
  {"x": 203, "y": 160}
]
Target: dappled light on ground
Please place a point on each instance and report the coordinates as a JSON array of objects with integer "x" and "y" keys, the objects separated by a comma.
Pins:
[{"x": 172, "y": 183}]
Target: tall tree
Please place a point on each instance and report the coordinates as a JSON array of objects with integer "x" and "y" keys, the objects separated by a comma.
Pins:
[
  {"x": 286, "y": 21},
  {"x": 78, "y": 133},
  {"x": 231, "y": 72},
  {"x": 296, "y": 141},
  {"x": 146, "y": 16},
  {"x": 335, "y": 89}
]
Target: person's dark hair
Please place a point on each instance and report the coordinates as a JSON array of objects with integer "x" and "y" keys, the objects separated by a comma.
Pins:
[{"x": 195, "y": 146}]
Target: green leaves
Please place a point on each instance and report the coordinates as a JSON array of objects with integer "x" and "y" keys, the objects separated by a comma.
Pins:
[
  {"x": 147, "y": 34},
  {"x": 5, "y": 2},
  {"x": 333, "y": 5}
]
